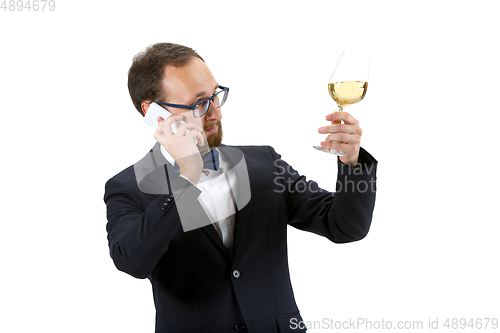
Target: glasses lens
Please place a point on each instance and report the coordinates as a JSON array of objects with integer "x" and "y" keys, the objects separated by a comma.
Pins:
[
  {"x": 220, "y": 98},
  {"x": 201, "y": 108}
]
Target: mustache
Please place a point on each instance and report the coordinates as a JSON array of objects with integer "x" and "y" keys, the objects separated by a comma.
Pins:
[{"x": 210, "y": 125}]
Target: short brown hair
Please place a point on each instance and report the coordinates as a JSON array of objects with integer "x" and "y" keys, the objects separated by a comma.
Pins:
[{"x": 146, "y": 73}]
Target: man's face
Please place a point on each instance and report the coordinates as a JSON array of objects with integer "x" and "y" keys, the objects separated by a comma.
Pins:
[{"x": 189, "y": 84}]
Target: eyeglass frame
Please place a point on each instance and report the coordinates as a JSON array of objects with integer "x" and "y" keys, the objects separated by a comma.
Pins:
[{"x": 193, "y": 106}]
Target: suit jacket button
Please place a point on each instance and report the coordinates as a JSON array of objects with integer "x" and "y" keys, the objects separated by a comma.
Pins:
[
  {"x": 166, "y": 203},
  {"x": 236, "y": 274},
  {"x": 239, "y": 327}
]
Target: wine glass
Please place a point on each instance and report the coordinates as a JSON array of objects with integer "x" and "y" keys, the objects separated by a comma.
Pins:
[{"x": 348, "y": 84}]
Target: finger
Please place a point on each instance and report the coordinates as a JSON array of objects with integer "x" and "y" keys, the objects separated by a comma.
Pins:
[
  {"x": 201, "y": 140},
  {"x": 341, "y": 128},
  {"x": 332, "y": 145},
  {"x": 342, "y": 116},
  {"x": 343, "y": 138},
  {"x": 159, "y": 130},
  {"x": 184, "y": 127},
  {"x": 158, "y": 135},
  {"x": 348, "y": 149},
  {"x": 197, "y": 136},
  {"x": 166, "y": 125}
]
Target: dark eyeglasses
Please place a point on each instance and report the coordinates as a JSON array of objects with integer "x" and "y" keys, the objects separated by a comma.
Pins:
[{"x": 200, "y": 108}]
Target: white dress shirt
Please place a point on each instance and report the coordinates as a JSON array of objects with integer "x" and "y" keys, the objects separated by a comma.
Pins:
[{"x": 217, "y": 197}]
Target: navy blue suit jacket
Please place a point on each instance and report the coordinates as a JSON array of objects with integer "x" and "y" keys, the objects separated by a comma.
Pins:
[{"x": 197, "y": 285}]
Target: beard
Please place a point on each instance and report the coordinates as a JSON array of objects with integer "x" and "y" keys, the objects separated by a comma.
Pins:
[{"x": 214, "y": 139}]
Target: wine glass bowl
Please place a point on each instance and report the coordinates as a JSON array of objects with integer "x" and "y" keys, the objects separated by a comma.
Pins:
[{"x": 347, "y": 92}]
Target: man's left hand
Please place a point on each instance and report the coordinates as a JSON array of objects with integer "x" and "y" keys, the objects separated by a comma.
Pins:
[{"x": 346, "y": 137}]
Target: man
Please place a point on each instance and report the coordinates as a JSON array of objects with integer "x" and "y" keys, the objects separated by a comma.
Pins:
[{"x": 212, "y": 240}]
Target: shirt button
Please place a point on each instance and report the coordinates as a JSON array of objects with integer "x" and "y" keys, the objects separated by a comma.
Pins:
[
  {"x": 236, "y": 274},
  {"x": 239, "y": 327}
]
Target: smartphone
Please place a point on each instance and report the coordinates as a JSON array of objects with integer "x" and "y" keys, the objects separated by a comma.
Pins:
[{"x": 156, "y": 110}]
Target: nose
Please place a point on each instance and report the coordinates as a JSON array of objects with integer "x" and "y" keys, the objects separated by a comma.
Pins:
[{"x": 213, "y": 112}]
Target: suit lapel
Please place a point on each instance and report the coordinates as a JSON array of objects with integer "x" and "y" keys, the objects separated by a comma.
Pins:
[
  {"x": 150, "y": 173},
  {"x": 212, "y": 234}
]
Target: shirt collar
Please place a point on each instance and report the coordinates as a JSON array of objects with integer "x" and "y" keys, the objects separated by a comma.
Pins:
[{"x": 171, "y": 160}]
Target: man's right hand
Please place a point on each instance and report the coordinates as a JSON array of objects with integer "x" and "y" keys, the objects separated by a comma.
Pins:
[{"x": 181, "y": 146}]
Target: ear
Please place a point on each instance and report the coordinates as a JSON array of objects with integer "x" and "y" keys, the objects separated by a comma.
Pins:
[{"x": 145, "y": 107}]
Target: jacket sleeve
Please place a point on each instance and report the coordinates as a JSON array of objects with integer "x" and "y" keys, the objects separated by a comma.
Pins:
[
  {"x": 343, "y": 216},
  {"x": 139, "y": 234}
]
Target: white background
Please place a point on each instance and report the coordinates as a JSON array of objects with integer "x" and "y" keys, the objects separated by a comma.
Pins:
[{"x": 429, "y": 117}]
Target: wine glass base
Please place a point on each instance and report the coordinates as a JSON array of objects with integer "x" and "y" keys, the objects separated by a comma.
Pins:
[{"x": 330, "y": 151}]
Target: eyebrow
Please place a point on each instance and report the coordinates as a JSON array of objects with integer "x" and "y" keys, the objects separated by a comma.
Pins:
[{"x": 201, "y": 94}]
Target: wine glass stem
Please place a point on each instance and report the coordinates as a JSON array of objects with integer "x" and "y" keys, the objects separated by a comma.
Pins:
[{"x": 341, "y": 109}]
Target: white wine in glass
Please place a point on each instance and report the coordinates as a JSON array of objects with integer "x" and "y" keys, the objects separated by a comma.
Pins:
[{"x": 348, "y": 84}]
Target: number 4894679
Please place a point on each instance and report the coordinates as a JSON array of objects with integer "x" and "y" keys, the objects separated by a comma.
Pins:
[{"x": 28, "y": 5}]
